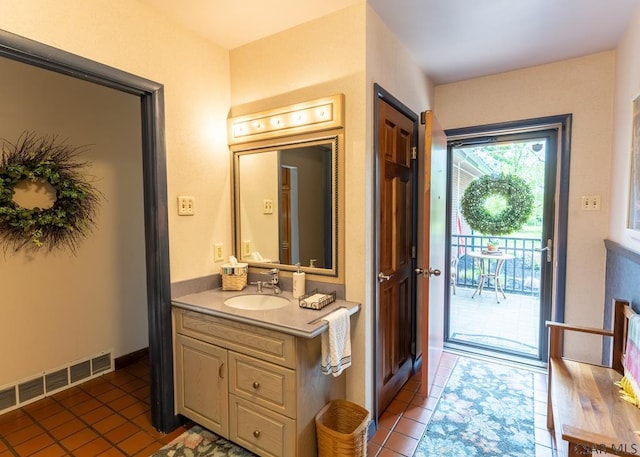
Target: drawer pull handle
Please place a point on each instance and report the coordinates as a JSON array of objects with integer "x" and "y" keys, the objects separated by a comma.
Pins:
[
  {"x": 221, "y": 371},
  {"x": 256, "y": 433},
  {"x": 256, "y": 385}
]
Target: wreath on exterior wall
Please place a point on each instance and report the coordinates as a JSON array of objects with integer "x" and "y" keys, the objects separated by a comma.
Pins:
[
  {"x": 72, "y": 215},
  {"x": 516, "y": 193}
]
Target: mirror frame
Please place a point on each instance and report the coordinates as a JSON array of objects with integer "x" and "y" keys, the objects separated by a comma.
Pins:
[
  {"x": 336, "y": 141},
  {"x": 310, "y": 122}
]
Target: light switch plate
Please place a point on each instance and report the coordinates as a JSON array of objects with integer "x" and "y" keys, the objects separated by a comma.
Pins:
[{"x": 186, "y": 205}]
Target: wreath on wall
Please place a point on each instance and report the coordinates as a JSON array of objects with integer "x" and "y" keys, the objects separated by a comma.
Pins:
[
  {"x": 43, "y": 160},
  {"x": 516, "y": 193}
]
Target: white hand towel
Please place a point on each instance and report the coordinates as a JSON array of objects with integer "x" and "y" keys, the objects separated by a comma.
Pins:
[{"x": 336, "y": 343}]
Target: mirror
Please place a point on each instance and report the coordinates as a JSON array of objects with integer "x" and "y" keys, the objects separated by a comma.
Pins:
[{"x": 286, "y": 205}]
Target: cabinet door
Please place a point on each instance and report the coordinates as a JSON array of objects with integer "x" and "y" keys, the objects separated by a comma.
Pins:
[{"x": 201, "y": 383}]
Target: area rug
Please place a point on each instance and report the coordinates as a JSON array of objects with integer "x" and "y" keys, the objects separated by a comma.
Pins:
[
  {"x": 485, "y": 409},
  {"x": 198, "y": 442}
]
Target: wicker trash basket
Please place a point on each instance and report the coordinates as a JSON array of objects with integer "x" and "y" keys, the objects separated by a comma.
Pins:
[{"x": 341, "y": 428}]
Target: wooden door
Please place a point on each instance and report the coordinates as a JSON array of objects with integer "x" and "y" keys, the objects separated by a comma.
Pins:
[
  {"x": 432, "y": 241},
  {"x": 395, "y": 323},
  {"x": 285, "y": 215}
]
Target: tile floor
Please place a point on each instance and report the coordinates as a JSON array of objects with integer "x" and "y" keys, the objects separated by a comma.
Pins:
[
  {"x": 405, "y": 419},
  {"x": 109, "y": 416}
]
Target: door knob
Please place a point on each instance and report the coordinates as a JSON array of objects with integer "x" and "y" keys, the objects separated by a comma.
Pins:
[
  {"x": 383, "y": 277},
  {"x": 429, "y": 272}
]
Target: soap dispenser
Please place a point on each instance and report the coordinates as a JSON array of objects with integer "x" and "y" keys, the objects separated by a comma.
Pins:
[{"x": 298, "y": 283}]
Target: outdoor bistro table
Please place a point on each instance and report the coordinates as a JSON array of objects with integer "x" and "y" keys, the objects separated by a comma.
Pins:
[{"x": 484, "y": 263}]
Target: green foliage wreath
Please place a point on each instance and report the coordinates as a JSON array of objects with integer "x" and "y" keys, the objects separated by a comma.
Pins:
[
  {"x": 512, "y": 188},
  {"x": 71, "y": 218}
]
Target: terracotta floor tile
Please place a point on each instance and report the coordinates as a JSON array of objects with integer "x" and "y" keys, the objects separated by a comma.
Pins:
[
  {"x": 380, "y": 436},
  {"x": 85, "y": 406},
  {"x": 92, "y": 448},
  {"x": 56, "y": 420},
  {"x": 51, "y": 408},
  {"x": 384, "y": 452},
  {"x": 109, "y": 423},
  {"x": 108, "y": 396},
  {"x": 79, "y": 438},
  {"x": 24, "y": 434},
  {"x": 97, "y": 415},
  {"x": 144, "y": 421},
  {"x": 71, "y": 397},
  {"x": 135, "y": 443},
  {"x": 122, "y": 432},
  {"x": 418, "y": 414},
  {"x": 112, "y": 452},
  {"x": 134, "y": 410},
  {"x": 401, "y": 444},
  {"x": 149, "y": 450},
  {"x": 134, "y": 385},
  {"x": 123, "y": 402},
  {"x": 15, "y": 423},
  {"x": 34, "y": 444},
  {"x": 410, "y": 427},
  {"x": 397, "y": 407},
  {"x": 50, "y": 451},
  {"x": 67, "y": 429},
  {"x": 96, "y": 386}
]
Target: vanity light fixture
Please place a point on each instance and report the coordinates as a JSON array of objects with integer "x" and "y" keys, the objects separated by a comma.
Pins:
[{"x": 312, "y": 116}]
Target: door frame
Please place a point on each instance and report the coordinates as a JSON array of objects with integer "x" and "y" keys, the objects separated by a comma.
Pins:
[
  {"x": 151, "y": 95},
  {"x": 381, "y": 94},
  {"x": 563, "y": 124}
]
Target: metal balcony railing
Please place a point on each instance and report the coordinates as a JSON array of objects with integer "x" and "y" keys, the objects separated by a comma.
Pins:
[{"x": 520, "y": 275}]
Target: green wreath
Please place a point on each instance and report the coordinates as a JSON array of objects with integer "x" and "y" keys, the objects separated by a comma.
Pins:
[
  {"x": 512, "y": 188},
  {"x": 69, "y": 219}
]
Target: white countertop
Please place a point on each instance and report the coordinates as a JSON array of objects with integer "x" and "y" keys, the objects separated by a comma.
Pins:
[{"x": 292, "y": 319}]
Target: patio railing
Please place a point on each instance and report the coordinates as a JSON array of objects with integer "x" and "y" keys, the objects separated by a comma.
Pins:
[{"x": 520, "y": 275}]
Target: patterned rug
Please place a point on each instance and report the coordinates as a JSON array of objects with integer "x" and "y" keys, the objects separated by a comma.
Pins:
[
  {"x": 486, "y": 409},
  {"x": 198, "y": 442}
]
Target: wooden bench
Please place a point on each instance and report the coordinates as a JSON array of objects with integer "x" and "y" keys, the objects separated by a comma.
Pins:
[{"x": 584, "y": 406}]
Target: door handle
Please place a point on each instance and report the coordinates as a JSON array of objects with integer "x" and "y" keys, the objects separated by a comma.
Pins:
[
  {"x": 383, "y": 277},
  {"x": 429, "y": 272},
  {"x": 549, "y": 249}
]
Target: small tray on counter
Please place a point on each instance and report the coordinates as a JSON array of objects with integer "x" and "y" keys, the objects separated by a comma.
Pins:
[{"x": 316, "y": 300}]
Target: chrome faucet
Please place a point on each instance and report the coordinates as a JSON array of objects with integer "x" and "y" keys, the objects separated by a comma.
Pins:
[{"x": 271, "y": 283}]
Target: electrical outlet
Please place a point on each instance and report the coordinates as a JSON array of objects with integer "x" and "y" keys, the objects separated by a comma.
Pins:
[
  {"x": 590, "y": 202},
  {"x": 186, "y": 205},
  {"x": 267, "y": 206},
  {"x": 246, "y": 248},
  {"x": 218, "y": 255}
]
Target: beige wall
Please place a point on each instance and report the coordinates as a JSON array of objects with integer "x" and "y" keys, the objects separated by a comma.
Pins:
[
  {"x": 195, "y": 73},
  {"x": 583, "y": 87},
  {"x": 627, "y": 88},
  {"x": 313, "y": 60},
  {"x": 60, "y": 308}
]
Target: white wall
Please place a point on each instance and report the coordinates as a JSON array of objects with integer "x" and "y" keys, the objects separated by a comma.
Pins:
[
  {"x": 584, "y": 87},
  {"x": 59, "y": 307},
  {"x": 317, "y": 59},
  {"x": 127, "y": 35},
  {"x": 627, "y": 88}
]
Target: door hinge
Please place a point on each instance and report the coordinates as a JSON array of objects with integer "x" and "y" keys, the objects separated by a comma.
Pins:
[
  {"x": 413, "y": 252},
  {"x": 413, "y": 348},
  {"x": 414, "y": 153},
  {"x": 423, "y": 117}
]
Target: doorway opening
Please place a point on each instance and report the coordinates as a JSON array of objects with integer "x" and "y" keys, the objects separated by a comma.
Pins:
[{"x": 505, "y": 284}]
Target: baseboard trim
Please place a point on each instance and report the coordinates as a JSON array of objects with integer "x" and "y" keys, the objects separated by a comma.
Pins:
[{"x": 131, "y": 358}]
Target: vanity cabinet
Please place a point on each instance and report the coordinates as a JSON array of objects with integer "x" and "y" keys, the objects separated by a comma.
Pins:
[{"x": 257, "y": 387}]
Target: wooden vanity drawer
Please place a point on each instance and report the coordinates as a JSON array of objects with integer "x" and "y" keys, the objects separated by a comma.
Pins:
[
  {"x": 263, "y": 383},
  {"x": 262, "y": 431},
  {"x": 257, "y": 342}
]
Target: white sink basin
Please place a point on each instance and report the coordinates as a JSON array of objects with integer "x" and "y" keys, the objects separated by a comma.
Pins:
[{"x": 254, "y": 302}]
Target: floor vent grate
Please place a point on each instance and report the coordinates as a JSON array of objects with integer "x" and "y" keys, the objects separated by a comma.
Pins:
[{"x": 16, "y": 395}]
